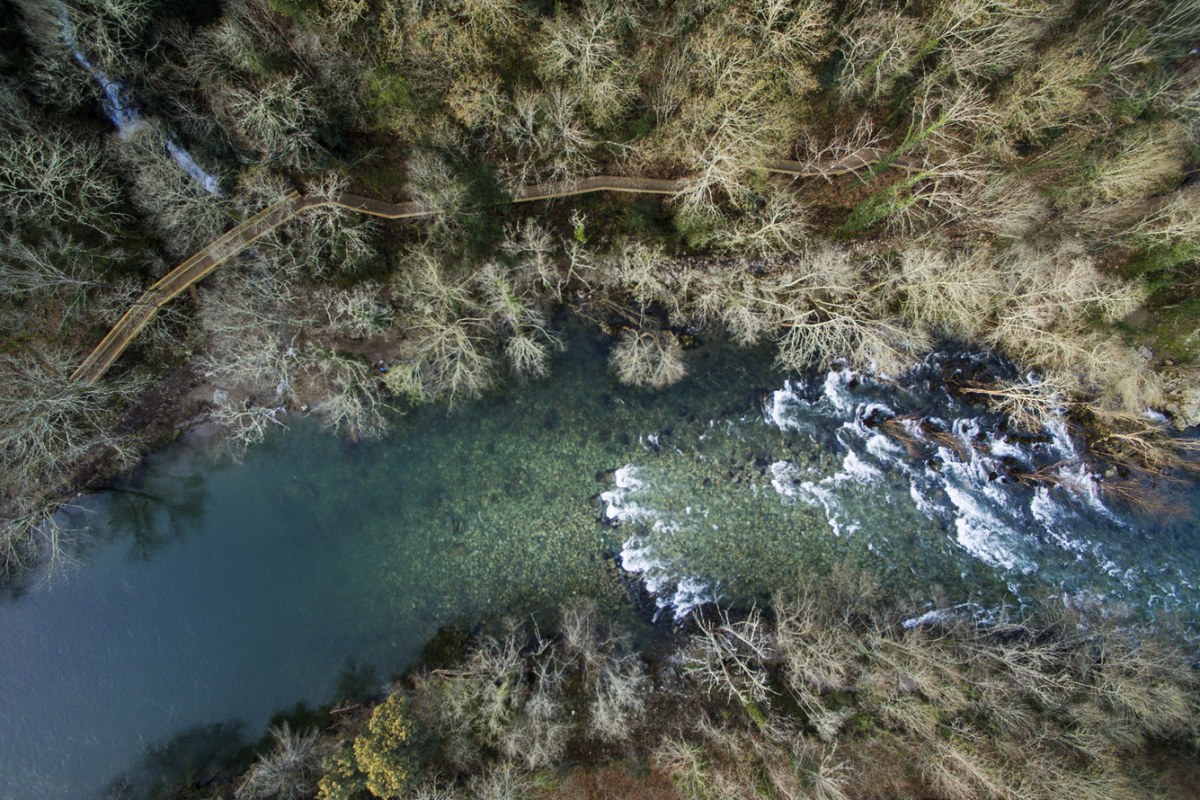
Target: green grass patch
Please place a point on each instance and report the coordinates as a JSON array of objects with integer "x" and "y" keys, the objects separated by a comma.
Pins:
[
  {"x": 879, "y": 206},
  {"x": 301, "y": 11}
]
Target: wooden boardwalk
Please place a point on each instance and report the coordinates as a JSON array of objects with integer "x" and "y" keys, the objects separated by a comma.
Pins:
[{"x": 229, "y": 244}]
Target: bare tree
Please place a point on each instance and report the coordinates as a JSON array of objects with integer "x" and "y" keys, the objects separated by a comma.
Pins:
[
  {"x": 551, "y": 140},
  {"x": 841, "y": 147},
  {"x": 985, "y": 38},
  {"x": 50, "y": 428},
  {"x": 584, "y": 50},
  {"x": 951, "y": 292},
  {"x": 1142, "y": 163},
  {"x": 775, "y": 224},
  {"x": 288, "y": 772},
  {"x": 732, "y": 657},
  {"x": 251, "y": 330},
  {"x": 50, "y": 425},
  {"x": 878, "y": 48},
  {"x": 51, "y": 177},
  {"x": 1048, "y": 93},
  {"x": 731, "y": 98},
  {"x": 326, "y": 239},
  {"x": 534, "y": 250},
  {"x": 1030, "y": 404},
  {"x": 346, "y": 394},
  {"x": 276, "y": 120},
  {"x": 1174, "y": 221},
  {"x": 178, "y": 207},
  {"x": 648, "y": 358},
  {"x": 356, "y": 312},
  {"x": 431, "y": 183},
  {"x": 57, "y": 264}
]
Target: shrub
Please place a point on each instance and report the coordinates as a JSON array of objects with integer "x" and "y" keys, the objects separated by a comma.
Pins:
[
  {"x": 341, "y": 779},
  {"x": 382, "y": 752},
  {"x": 648, "y": 358},
  {"x": 287, "y": 772},
  {"x": 1143, "y": 162},
  {"x": 378, "y": 761}
]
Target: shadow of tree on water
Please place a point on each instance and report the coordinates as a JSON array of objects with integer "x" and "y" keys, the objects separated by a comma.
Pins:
[{"x": 194, "y": 757}]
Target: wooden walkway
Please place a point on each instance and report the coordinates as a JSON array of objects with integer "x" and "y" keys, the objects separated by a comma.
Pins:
[{"x": 233, "y": 241}]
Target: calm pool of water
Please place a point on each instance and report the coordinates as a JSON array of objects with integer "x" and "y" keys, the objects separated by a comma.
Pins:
[{"x": 212, "y": 594}]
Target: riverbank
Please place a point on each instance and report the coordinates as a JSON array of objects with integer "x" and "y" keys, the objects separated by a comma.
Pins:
[
  {"x": 1042, "y": 205},
  {"x": 242, "y": 413},
  {"x": 822, "y": 694},
  {"x": 229, "y": 590}
]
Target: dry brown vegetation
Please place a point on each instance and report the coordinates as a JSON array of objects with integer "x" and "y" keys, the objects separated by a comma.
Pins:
[
  {"x": 523, "y": 699},
  {"x": 1025, "y": 192},
  {"x": 820, "y": 695}
]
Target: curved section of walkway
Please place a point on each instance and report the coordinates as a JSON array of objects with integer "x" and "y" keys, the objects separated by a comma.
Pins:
[
  {"x": 233, "y": 241},
  {"x": 194, "y": 269}
]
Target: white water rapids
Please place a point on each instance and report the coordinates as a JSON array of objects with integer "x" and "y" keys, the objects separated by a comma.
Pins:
[{"x": 940, "y": 472}]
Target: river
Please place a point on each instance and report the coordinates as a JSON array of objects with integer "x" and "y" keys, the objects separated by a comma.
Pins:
[{"x": 212, "y": 593}]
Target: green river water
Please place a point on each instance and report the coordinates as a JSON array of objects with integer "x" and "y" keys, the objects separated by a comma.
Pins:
[{"x": 213, "y": 593}]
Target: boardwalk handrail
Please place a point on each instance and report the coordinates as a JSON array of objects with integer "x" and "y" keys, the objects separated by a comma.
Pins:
[{"x": 202, "y": 263}]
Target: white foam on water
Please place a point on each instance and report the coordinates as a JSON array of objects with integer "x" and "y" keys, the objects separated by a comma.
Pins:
[
  {"x": 690, "y": 593},
  {"x": 620, "y": 506},
  {"x": 993, "y": 519},
  {"x": 1061, "y": 443},
  {"x": 929, "y": 617},
  {"x": 876, "y": 409},
  {"x": 837, "y": 390},
  {"x": 1000, "y": 447},
  {"x": 670, "y": 590},
  {"x": 623, "y": 506},
  {"x": 1044, "y": 510},
  {"x": 923, "y": 504},
  {"x": 855, "y": 470},
  {"x": 782, "y": 407},
  {"x": 1001, "y": 522},
  {"x": 1156, "y": 416},
  {"x": 822, "y": 494},
  {"x": 1084, "y": 485},
  {"x": 184, "y": 159},
  {"x": 977, "y": 613},
  {"x": 982, "y": 534},
  {"x": 885, "y": 449},
  {"x": 784, "y": 478}
]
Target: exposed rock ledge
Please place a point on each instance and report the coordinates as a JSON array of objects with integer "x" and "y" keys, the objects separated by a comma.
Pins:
[{"x": 1182, "y": 396}]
